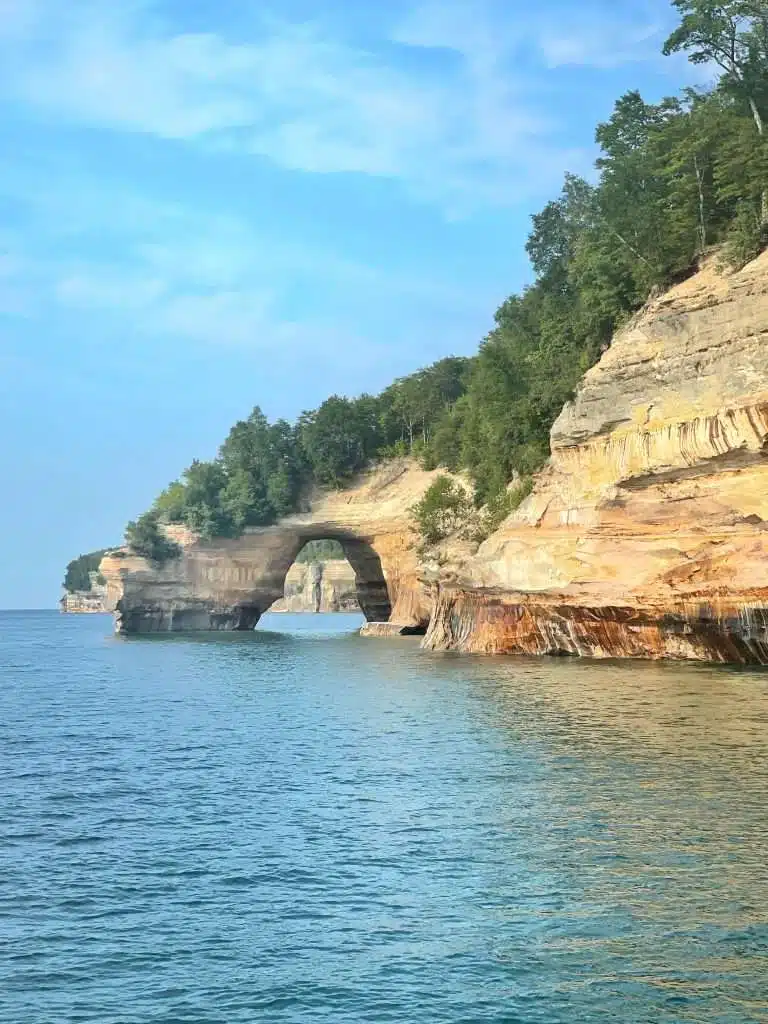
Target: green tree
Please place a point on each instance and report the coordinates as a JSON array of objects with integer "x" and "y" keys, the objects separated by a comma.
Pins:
[
  {"x": 734, "y": 35},
  {"x": 320, "y": 551},
  {"x": 145, "y": 537},
  {"x": 333, "y": 439},
  {"x": 78, "y": 573},
  {"x": 171, "y": 503},
  {"x": 444, "y": 508}
]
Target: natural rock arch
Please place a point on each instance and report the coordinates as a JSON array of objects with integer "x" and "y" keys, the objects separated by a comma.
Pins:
[{"x": 228, "y": 583}]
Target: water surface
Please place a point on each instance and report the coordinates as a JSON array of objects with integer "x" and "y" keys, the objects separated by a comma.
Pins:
[{"x": 299, "y": 825}]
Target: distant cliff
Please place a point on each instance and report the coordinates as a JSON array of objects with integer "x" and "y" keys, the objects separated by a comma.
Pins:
[
  {"x": 327, "y": 586},
  {"x": 91, "y": 600}
]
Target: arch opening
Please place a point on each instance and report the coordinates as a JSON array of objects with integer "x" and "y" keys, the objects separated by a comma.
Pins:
[
  {"x": 366, "y": 582},
  {"x": 321, "y": 579}
]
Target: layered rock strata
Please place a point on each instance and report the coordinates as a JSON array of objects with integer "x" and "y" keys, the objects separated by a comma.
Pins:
[
  {"x": 227, "y": 584},
  {"x": 647, "y": 534}
]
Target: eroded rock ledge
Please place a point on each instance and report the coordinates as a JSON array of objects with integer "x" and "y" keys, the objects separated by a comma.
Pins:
[
  {"x": 496, "y": 623},
  {"x": 647, "y": 534}
]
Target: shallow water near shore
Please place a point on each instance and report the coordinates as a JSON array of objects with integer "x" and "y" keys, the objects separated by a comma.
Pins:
[{"x": 300, "y": 825}]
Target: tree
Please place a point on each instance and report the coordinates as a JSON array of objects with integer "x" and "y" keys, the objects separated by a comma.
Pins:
[
  {"x": 145, "y": 537},
  {"x": 171, "y": 503},
  {"x": 78, "y": 574},
  {"x": 320, "y": 551},
  {"x": 333, "y": 441},
  {"x": 444, "y": 508},
  {"x": 684, "y": 153},
  {"x": 556, "y": 229},
  {"x": 734, "y": 35},
  {"x": 631, "y": 196}
]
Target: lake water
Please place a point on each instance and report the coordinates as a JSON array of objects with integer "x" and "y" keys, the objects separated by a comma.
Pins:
[{"x": 299, "y": 825}]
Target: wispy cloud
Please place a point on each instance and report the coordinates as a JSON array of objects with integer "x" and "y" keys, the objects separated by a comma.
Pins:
[
  {"x": 298, "y": 96},
  {"x": 446, "y": 101},
  {"x": 172, "y": 275}
]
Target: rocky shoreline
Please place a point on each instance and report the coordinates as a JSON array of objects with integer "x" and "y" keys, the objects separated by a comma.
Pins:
[{"x": 646, "y": 535}]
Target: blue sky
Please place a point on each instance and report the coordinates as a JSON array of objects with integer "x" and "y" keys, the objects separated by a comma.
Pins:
[{"x": 210, "y": 205}]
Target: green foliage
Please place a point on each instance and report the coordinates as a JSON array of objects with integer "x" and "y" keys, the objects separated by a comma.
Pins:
[
  {"x": 320, "y": 551},
  {"x": 414, "y": 405},
  {"x": 338, "y": 439},
  {"x": 145, "y": 537},
  {"x": 746, "y": 237},
  {"x": 78, "y": 572},
  {"x": 444, "y": 509},
  {"x": 733, "y": 35},
  {"x": 675, "y": 178}
]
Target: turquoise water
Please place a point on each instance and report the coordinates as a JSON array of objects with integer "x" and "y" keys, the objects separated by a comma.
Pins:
[{"x": 299, "y": 825}]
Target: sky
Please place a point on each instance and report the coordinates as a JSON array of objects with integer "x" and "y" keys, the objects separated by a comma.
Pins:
[{"x": 211, "y": 204}]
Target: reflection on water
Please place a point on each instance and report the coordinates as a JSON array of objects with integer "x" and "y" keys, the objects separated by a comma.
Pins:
[
  {"x": 655, "y": 840},
  {"x": 301, "y": 825}
]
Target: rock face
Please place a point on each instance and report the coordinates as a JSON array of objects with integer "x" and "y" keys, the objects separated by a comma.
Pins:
[
  {"x": 647, "y": 534},
  {"x": 93, "y": 601},
  {"x": 328, "y": 586},
  {"x": 226, "y": 584}
]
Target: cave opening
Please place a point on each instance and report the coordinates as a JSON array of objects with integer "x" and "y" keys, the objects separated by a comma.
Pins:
[{"x": 335, "y": 574}]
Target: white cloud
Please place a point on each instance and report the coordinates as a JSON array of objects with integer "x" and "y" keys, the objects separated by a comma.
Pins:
[
  {"x": 174, "y": 275},
  {"x": 94, "y": 288},
  {"x": 447, "y": 103},
  {"x": 242, "y": 318},
  {"x": 467, "y": 129},
  {"x": 600, "y": 42},
  {"x": 300, "y": 98}
]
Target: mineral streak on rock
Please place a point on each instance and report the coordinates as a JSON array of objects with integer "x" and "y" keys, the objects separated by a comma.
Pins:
[
  {"x": 482, "y": 622},
  {"x": 647, "y": 533}
]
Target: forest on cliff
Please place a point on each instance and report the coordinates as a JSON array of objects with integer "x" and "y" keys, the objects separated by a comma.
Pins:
[
  {"x": 78, "y": 572},
  {"x": 673, "y": 180}
]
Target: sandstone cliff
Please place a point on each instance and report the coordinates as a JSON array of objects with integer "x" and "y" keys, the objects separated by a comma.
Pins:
[
  {"x": 647, "y": 534},
  {"x": 328, "y": 586},
  {"x": 80, "y": 602},
  {"x": 229, "y": 583}
]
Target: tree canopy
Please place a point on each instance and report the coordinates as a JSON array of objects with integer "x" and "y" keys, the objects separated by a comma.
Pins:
[{"x": 78, "y": 574}]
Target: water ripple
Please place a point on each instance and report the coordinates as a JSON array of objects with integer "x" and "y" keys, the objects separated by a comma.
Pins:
[{"x": 303, "y": 826}]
